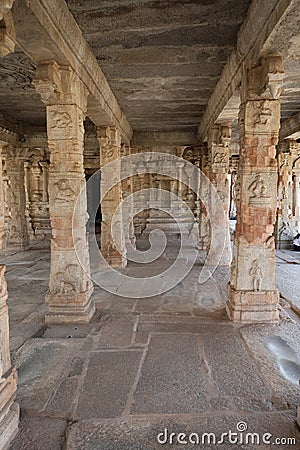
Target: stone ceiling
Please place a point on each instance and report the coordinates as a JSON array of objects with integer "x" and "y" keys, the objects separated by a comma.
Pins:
[{"x": 162, "y": 58}]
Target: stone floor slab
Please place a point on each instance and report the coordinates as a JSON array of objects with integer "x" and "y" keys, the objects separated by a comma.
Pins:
[
  {"x": 40, "y": 433},
  {"x": 107, "y": 384},
  {"x": 172, "y": 380}
]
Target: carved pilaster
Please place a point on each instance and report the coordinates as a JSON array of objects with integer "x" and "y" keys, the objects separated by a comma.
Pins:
[
  {"x": 9, "y": 411},
  {"x": 37, "y": 170},
  {"x": 70, "y": 287},
  {"x": 204, "y": 225},
  {"x": 16, "y": 226},
  {"x": 112, "y": 246},
  {"x": 252, "y": 293},
  {"x": 219, "y": 151}
]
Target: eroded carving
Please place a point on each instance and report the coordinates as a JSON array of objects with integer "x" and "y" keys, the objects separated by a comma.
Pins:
[
  {"x": 257, "y": 275},
  {"x": 63, "y": 191}
]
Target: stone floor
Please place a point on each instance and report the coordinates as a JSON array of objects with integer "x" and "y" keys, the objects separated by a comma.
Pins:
[{"x": 170, "y": 362}]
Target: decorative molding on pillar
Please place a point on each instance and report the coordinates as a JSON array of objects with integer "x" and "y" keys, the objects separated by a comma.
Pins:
[
  {"x": 7, "y": 29},
  {"x": 110, "y": 150}
]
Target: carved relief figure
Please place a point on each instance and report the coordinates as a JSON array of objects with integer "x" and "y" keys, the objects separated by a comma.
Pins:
[
  {"x": 61, "y": 119},
  {"x": 64, "y": 192},
  {"x": 219, "y": 158},
  {"x": 66, "y": 282},
  {"x": 258, "y": 191},
  {"x": 257, "y": 274},
  {"x": 264, "y": 115}
]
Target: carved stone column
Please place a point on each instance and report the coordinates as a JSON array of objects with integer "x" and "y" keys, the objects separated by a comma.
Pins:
[
  {"x": 127, "y": 190},
  {"x": 9, "y": 410},
  {"x": 16, "y": 228},
  {"x": 285, "y": 223},
  {"x": 38, "y": 199},
  {"x": 204, "y": 225},
  {"x": 112, "y": 247},
  {"x": 70, "y": 287},
  {"x": 218, "y": 174},
  {"x": 252, "y": 293}
]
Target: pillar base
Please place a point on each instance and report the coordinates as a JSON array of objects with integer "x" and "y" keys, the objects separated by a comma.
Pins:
[
  {"x": 115, "y": 260},
  {"x": 17, "y": 245},
  {"x": 75, "y": 308},
  {"x": 9, "y": 410},
  {"x": 252, "y": 306}
]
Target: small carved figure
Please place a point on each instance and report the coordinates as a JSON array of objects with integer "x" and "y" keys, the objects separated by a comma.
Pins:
[
  {"x": 219, "y": 158},
  {"x": 263, "y": 117},
  {"x": 256, "y": 273},
  {"x": 258, "y": 188},
  {"x": 61, "y": 120},
  {"x": 67, "y": 282},
  {"x": 64, "y": 192}
]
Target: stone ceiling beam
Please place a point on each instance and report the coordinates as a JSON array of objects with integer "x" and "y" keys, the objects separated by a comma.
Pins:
[
  {"x": 290, "y": 128},
  {"x": 166, "y": 138},
  {"x": 265, "y": 25},
  {"x": 56, "y": 36}
]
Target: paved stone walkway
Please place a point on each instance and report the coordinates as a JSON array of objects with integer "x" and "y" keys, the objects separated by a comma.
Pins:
[{"x": 171, "y": 362}]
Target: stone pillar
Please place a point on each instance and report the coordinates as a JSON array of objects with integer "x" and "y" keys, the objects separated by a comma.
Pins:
[
  {"x": 38, "y": 200},
  {"x": 127, "y": 190},
  {"x": 9, "y": 410},
  {"x": 16, "y": 228},
  {"x": 70, "y": 287},
  {"x": 218, "y": 174},
  {"x": 252, "y": 293},
  {"x": 204, "y": 225},
  {"x": 112, "y": 247},
  {"x": 284, "y": 231}
]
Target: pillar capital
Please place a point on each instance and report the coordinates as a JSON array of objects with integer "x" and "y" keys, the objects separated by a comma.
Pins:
[
  {"x": 263, "y": 81},
  {"x": 60, "y": 85}
]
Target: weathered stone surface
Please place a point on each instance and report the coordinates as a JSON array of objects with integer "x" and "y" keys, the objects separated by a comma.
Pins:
[
  {"x": 116, "y": 332},
  {"x": 112, "y": 375},
  {"x": 40, "y": 432},
  {"x": 172, "y": 380}
]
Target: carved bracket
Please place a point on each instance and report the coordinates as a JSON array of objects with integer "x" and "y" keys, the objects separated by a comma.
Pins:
[{"x": 7, "y": 29}]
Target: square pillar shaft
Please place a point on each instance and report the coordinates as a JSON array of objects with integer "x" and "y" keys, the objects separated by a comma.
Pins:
[
  {"x": 9, "y": 410},
  {"x": 70, "y": 288},
  {"x": 252, "y": 293}
]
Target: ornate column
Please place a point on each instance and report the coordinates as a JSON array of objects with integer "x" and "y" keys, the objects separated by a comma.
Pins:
[
  {"x": 38, "y": 200},
  {"x": 219, "y": 149},
  {"x": 70, "y": 287},
  {"x": 284, "y": 230},
  {"x": 16, "y": 229},
  {"x": 127, "y": 190},
  {"x": 112, "y": 247},
  {"x": 9, "y": 410},
  {"x": 204, "y": 225},
  {"x": 252, "y": 293}
]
